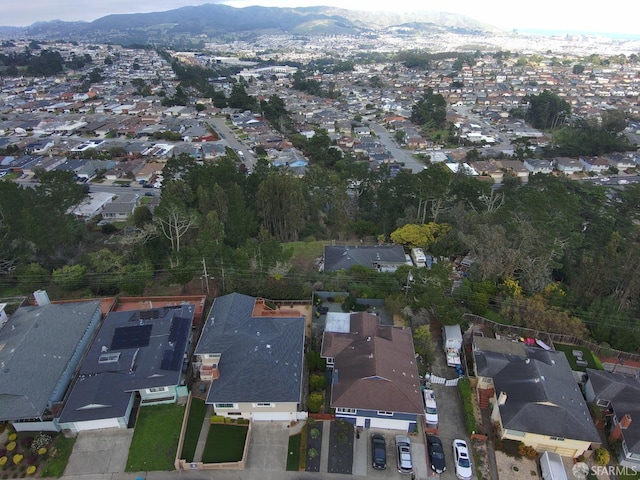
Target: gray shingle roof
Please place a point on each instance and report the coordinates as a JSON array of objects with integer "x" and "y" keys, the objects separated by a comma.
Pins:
[
  {"x": 262, "y": 357},
  {"x": 39, "y": 346},
  {"x": 542, "y": 395},
  {"x": 343, "y": 257},
  {"x": 142, "y": 342},
  {"x": 623, "y": 392}
]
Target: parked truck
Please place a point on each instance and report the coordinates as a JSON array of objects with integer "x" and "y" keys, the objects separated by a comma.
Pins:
[
  {"x": 452, "y": 343},
  {"x": 552, "y": 467},
  {"x": 418, "y": 257}
]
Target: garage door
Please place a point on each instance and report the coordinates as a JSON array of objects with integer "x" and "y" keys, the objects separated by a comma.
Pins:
[
  {"x": 273, "y": 416},
  {"x": 97, "y": 424},
  {"x": 392, "y": 424}
]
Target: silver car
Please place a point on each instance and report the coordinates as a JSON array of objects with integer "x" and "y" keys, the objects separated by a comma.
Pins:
[{"x": 403, "y": 446}]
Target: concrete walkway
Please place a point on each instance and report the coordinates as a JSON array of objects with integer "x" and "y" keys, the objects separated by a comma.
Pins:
[
  {"x": 324, "y": 452},
  {"x": 360, "y": 462},
  {"x": 204, "y": 433}
]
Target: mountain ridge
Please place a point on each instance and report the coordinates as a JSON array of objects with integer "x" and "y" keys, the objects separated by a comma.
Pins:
[{"x": 214, "y": 20}]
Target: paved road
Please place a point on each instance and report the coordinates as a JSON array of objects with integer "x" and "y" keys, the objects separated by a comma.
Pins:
[
  {"x": 221, "y": 128},
  {"x": 398, "y": 154}
]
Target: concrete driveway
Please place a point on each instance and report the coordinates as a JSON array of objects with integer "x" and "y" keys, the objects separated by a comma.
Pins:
[{"x": 99, "y": 453}]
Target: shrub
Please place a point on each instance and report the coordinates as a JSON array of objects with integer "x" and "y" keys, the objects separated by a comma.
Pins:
[
  {"x": 42, "y": 450},
  {"x": 13, "y": 436},
  {"x": 17, "y": 458},
  {"x": 314, "y": 403},
  {"x": 602, "y": 456},
  {"x": 527, "y": 451},
  {"x": 11, "y": 446},
  {"x": 317, "y": 382},
  {"x": 216, "y": 419},
  {"x": 464, "y": 387},
  {"x": 313, "y": 453},
  {"x": 3, "y": 461},
  {"x": 314, "y": 433},
  {"x": 31, "y": 470}
]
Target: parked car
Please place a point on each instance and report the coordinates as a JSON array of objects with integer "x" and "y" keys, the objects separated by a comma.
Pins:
[
  {"x": 430, "y": 408},
  {"x": 436, "y": 454},
  {"x": 378, "y": 451},
  {"x": 403, "y": 446},
  {"x": 322, "y": 310},
  {"x": 461, "y": 459}
]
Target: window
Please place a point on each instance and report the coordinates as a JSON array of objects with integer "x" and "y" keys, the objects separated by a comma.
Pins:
[
  {"x": 157, "y": 389},
  {"x": 515, "y": 433},
  {"x": 223, "y": 405},
  {"x": 349, "y": 411},
  {"x": 386, "y": 414},
  {"x": 557, "y": 439},
  {"x": 603, "y": 403},
  {"x": 263, "y": 404},
  {"x": 330, "y": 361}
]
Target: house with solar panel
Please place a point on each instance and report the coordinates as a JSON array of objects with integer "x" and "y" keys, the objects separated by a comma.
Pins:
[
  {"x": 137, "y": 358},
  {"x": 252, "y": 354}
]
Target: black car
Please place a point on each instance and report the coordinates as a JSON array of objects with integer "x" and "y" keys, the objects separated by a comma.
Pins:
[
  {"x": 378, "y": 452},
  {"x": 322, "y": 310},
  {"x": 436, "y": 454}
]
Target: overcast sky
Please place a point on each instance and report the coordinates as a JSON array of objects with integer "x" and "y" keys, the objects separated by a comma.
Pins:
[{"x": 613, "y": 16}]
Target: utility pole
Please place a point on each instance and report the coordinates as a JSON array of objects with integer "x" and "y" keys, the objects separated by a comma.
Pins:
[{"x": 205, "y": 275}]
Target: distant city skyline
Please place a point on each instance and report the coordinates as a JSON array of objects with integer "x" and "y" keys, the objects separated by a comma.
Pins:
[{"x": 617, "y": 16}]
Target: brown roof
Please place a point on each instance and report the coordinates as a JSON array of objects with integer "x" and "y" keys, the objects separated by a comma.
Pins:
[{"x": 375, "y": 365}]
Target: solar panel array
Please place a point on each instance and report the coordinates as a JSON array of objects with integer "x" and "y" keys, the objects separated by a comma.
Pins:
[
  {"x": 134, "y": 336},
  {"x": 178, "y": 333}
]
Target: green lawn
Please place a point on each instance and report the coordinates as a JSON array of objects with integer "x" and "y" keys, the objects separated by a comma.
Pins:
[
  {"x": 587, "y": 356},
  {"x": 155, "y": 439},
  {"x": 55, "y": 466},
  {"x": 225, "y": 443},
  {"x": 194, "y": 426},
  {"x": 306, "y": 250},
  {"x": 293, "y": 453}
]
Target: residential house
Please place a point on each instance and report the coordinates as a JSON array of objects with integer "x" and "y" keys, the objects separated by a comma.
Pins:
[
  {"x": 618, "y": 394},
  {"x": 535, "y": 165},
  {"x": 41, "y": 348},
  {"x": 594, "y": 164},
  {"x": 488, "y": 168},
  {"x": 621, "y": 161},
  {"x": 375, "y": 380},
  {"x": 535, "y": 397},
  {"x": 568, "y": 166},
  {"x": 515, "y": 168},
  {"x": 253, "y": 355},
  {"x": 137, "y": 358},
  {"x": 383, "y": 258},
  {"x": 121, "y": 208}
]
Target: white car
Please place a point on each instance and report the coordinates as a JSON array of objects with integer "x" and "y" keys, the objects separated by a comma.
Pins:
[
  {"x": 430, "y": 409},
  {"x": 461, "y": 459}
]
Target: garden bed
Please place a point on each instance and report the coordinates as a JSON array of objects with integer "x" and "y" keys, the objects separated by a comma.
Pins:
[
  {"x": 314, "y": 446},
  {"x": 341, "y": 447}
]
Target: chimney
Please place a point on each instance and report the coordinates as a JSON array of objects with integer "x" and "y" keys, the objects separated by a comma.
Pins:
[
  {"x": 41, "y": 297},
  {"x": 502, "y": 398},
  {"x": 616, "y": 431}
]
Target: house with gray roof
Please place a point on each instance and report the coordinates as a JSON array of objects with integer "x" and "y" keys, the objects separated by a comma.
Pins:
[
  {"x": 618, "y": 394},
  {"x": 375, "y": 380},
  {"x": 40, "y": 350},
  {"x": 535, "y": 397},
  {"x": 253, "y": 355},
  {"x": 137, "y": 358},
  {"x": 383, "y": 258}
]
